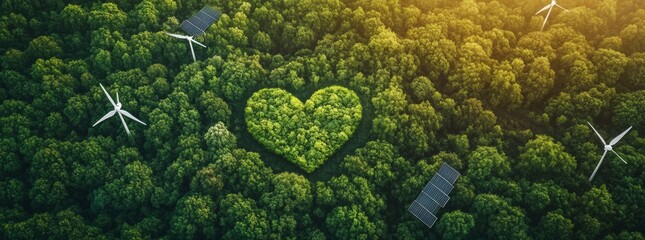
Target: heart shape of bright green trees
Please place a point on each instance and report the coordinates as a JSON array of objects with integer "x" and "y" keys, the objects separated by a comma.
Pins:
[{"x": 305, "y": 134}]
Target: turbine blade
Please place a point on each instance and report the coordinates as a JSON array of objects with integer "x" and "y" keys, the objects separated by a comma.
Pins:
[
  {"x": 124, "y": 125},
  {"x": 127, "y": 114},
  {"x": 562, "y": 7},
  {"x": 546, "y": 18},
  {"x": 597, "y": 166},
  {"x": 191, "y": 50},
  {"x": 603, "y": 140},
  {"x": 176, "y": 35},
  {"x": 198, "y": 43},
  {"x": 108, "y": 115},
  {"x": 543, "y": 9},
  {"x": 617, "y": 138},
  {"x": 117, "y": 97},
  {"x": 619, "y": 156},
  {"x": 108, "y": 95}
]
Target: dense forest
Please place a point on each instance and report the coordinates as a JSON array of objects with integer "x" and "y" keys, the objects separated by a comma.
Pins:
[{"x": 321, "y": 119}]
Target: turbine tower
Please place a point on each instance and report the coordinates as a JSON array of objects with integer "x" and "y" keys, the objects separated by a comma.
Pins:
[
  {"x": 196, "y": 26},
  {"x": 117, "y": 109},
  {"x": 550, "y": 7},
  {"x": 608, "y": 147}
]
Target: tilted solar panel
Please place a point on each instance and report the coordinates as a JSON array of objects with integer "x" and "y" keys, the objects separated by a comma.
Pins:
[
  {"x": 434, "y": 195},
  {"x": 197, "y": 24},
  {"x": 433, "y": 191},
  {"x": 208, "y": 15},
  {"x": 448, "y": 173},
  {"x": 191, "y": 29},
  {"x": 422, "y": 214},
  {"x": 427, "y": 202},
  {"x": 441, "y": 183}
]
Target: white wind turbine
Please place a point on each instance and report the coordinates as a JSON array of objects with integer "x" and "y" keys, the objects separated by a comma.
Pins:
[
  {"x": 190, "y": 42},
  {"x": 550, "y": 7},
  {"x": 117, "y": 109},
  {"x": 608, "y": 147},
  {"x": 197, "y": 25}
]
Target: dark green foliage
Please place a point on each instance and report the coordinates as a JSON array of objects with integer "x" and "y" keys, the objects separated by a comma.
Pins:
[
  {"x": 351, "y": 223},
  {"x": 628, "y": 110},
  {"x": 554, "y": 226},
  {"x": 485, "y": 163},
  {"x": 498, "y": 219},
  {"x": 543, "y": 158},
  {"x": 131, "y": 191},
  {"x": 414, "y": 84},
  {"x": 379, "y": 163},
  {"x": 291, "y": 193},
  {"x": 194, "y": 217},
  {"x": 455, "y": 225},
  {"x": 107, "y": 15},
  {"x": 241, "y": 219}
]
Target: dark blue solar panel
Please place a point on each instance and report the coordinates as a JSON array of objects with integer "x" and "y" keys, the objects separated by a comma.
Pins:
[
  {"x": 422, "y": 214},
  {"x": 448, "y": 173},
  {"x": 441, "y": 183},
  {"x": 197, "y": 24},
  {"x": 191, "y": 29},
  {"x": 434, "y": 195},
  {"x": 428, "y": 203},
  {"x": 208, "y": 15},
  {"x": 433, "y": 191}
]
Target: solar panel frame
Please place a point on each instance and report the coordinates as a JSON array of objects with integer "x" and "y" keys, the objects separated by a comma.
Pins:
[
  {"x": 429, "y": 186},
  {"x": 201, "y": 24},
  {"x": 422, "y": 214},
  {"x": 428, "y": 202},
  {"x": 198, "y": 23},
  {"x": 441, "y": 183},
  {"x": 448, "y": 173},
  {"x": 436, "y": 194},
  {"x": 208, "y": 15},
  {"x": 190, "y": 29}
]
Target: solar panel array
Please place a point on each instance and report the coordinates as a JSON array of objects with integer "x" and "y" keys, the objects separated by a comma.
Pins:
[
  {"x": 423, "y": 214},
  {"x": 434, "y": 195},
  {"x": 197, "y": 24}
]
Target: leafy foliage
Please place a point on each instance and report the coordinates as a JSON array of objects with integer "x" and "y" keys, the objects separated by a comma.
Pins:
[
  {"x": 306, "y": 134},
  {"x": 473, "y": 83}
]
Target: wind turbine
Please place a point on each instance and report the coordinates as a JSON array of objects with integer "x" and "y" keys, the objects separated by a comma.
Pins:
[
  {"x": 117, "y": 109},
  {"x": 608, "y": 147},
  {"x": 190, "y": 42},
  {"x": 550, "y": 7},
  {"x": 196, "y": 26}
]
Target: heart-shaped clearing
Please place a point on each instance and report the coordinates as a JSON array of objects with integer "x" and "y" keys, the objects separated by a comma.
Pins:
[{"x": 306, "y": 134}]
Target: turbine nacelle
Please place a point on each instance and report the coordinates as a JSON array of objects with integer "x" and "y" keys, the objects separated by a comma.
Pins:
[
  {"x": 608, "y": 148},
  {"x": 118, "y": 103},
  {"x": 190, "y": 42},
  {"x": 549, "y": 7},
  {"x": 117, "y": 110}
]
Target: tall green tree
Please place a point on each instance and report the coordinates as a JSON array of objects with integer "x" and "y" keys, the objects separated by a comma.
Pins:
[
  {"x": 194, "y": 217},
  {"x": 456, "y": 225},
  {"x": 543, "y": 158}
]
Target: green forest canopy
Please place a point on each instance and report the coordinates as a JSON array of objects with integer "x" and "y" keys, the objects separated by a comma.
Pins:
[{"x": 471, "y": 83}]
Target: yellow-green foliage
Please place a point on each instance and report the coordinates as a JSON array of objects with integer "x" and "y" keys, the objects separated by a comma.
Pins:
[{"x": 306, "y": 134}]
